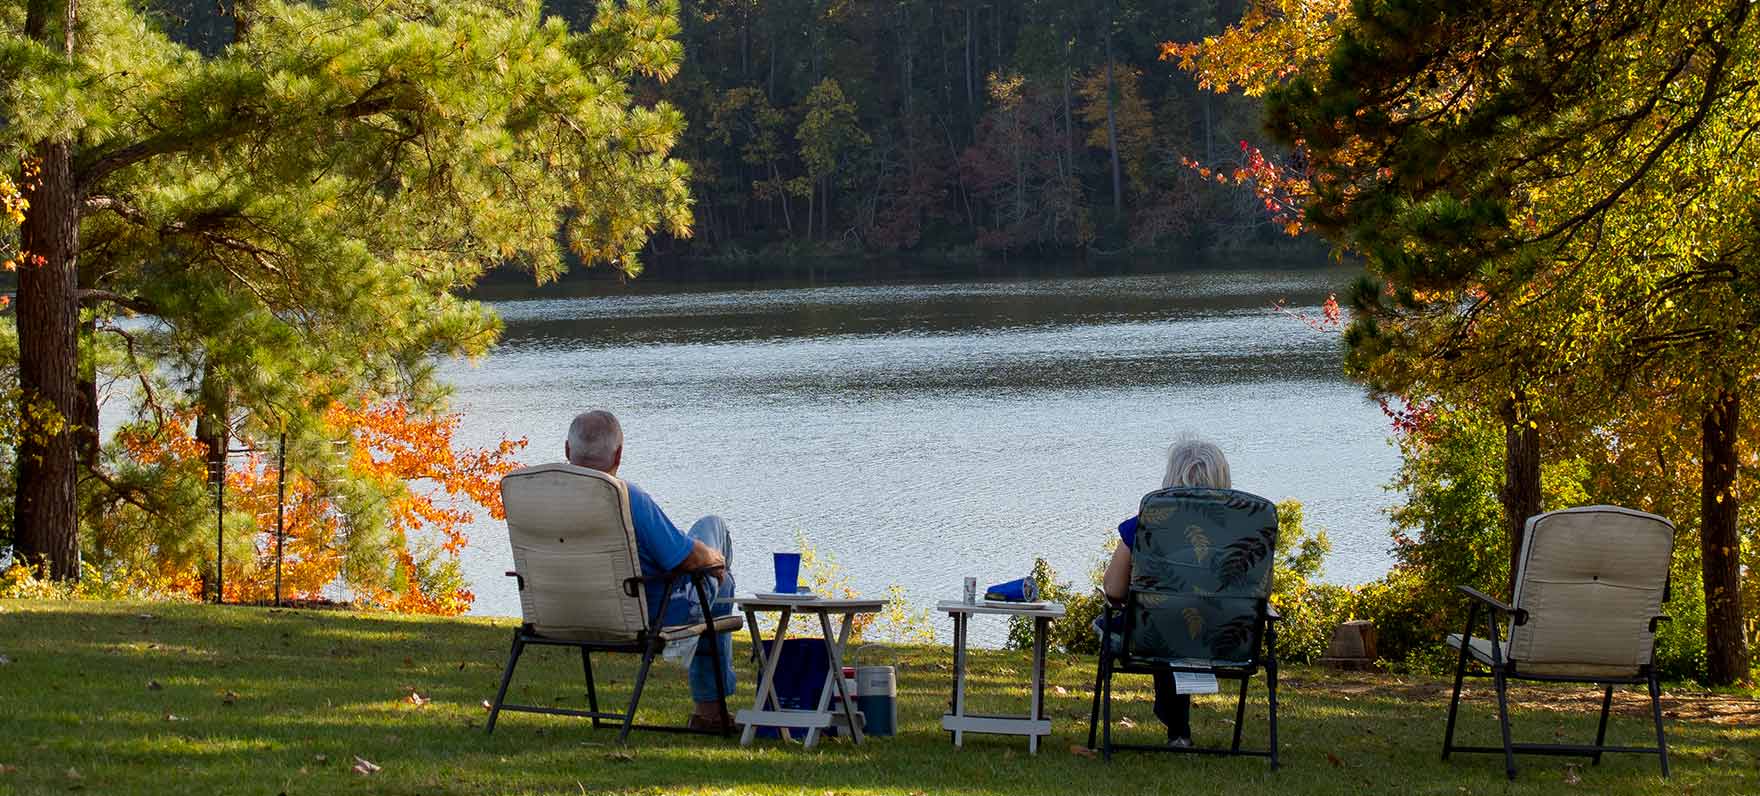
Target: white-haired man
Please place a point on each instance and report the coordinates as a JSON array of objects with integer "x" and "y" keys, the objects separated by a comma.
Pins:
[{"x": 595, "y": 441}]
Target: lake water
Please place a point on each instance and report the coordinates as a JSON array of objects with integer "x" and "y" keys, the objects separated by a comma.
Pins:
[{"x": 919, "y": 434}]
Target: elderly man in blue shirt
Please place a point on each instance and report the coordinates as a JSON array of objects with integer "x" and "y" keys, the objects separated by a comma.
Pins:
[{"x": 595, "y": 441}]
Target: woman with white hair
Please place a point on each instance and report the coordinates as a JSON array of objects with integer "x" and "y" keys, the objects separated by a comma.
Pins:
[{"x": 1190, "y": 462}]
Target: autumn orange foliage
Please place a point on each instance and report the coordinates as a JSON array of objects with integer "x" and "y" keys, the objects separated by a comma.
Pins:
[{"x": 433, "y": 488}]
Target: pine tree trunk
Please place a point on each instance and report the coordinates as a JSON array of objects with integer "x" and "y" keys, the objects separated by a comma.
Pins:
[
  {"x": 45, "y": 517},
  {"x": 1521, "y": 484},
  {"x": 1721, "y": 544}
]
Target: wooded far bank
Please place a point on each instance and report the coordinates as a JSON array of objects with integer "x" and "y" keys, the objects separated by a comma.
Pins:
[{"x": 970, "y": 129}]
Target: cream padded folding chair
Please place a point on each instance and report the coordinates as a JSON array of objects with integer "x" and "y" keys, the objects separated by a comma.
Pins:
[
  {"x": 1589, "y": 594},
  {"x": 581, "y": 584}
]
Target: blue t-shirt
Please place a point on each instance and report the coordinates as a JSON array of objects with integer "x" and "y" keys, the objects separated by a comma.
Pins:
[
  {"x": 1127, "y": 531},
  {"x": 660, "y": 545}
]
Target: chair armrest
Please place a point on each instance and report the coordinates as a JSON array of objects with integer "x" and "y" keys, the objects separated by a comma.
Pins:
[
  {"x": 518, "y": 577},
  {"x": 630, "y": 584},
  {"x": 1485, "y": 598},
  {"x": 1516, "y": 615}
]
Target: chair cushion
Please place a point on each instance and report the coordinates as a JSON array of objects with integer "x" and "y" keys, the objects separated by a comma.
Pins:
[
  {"x": 723, "y": 624},
  {"x": 1590, "y": 580},
  {"x": 1480, "y": 650},
  {"x": 1200, "y": 575},
  {"x": 574, "y": 546}
]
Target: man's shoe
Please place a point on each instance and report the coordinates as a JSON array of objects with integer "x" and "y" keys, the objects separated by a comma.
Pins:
[
  {"x": 1179, "y": 743},
  {"x": 701, "y": 723}
]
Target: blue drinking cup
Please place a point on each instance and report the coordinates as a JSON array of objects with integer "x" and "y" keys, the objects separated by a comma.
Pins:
[
  {"x": 788, "y": 572},
  {"x": 1014, "y": 591}
]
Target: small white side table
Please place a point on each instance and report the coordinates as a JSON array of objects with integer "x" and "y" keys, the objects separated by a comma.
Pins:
[
  {"x": 766, "y": 711},
  {"x": 959, "y": 722}
]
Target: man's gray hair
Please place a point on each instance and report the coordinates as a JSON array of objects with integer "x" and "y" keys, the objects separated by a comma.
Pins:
[
  {"x": 594, "y": 439},
  {"x": 1196, "y": 462}
]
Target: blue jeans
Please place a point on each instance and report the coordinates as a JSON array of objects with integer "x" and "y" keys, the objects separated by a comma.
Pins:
[{"x": 683, "y": 608}]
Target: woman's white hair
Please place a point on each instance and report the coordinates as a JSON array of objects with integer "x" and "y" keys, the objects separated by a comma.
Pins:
[{"x": 1196, "y": 462}]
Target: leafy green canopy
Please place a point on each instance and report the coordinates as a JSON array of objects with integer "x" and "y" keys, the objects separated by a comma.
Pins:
[
  {"x": 298, "y": 212},
  {"x": 289, "y": 223},
  {"x": 1533, "y": 186}
]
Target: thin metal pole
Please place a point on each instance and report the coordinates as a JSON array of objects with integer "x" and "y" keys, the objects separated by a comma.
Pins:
[
  {"x": 220, "y": 534},
  {"x": 280, "y": 511}
]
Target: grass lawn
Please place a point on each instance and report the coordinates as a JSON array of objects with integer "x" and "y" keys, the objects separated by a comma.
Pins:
[{"x": 185, "y": 699}]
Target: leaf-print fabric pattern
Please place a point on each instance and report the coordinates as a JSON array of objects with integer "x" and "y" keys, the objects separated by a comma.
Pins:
[{"x": 1200, "y": 574}]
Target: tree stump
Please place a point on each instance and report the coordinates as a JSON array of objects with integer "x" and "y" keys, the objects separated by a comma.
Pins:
[{"x": 1352, "y": 647}]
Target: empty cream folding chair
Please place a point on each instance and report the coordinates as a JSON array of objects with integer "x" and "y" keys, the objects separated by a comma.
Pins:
[
  {"x": 1589, "y": 593},
  {"x": 581, "y": 583}
]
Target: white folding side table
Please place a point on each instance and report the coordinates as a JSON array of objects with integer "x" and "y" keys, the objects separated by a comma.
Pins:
[
  {"x": 959, "y": 722},
  {"x": 766, "y": 710}
]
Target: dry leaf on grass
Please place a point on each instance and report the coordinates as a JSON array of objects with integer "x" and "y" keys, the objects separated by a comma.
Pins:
[
  {"x": 73, "y": 774},
  {"x": 1571, "y": 777},
  {"x": 487, "y": 706},
  {"x": 153, "y": 685},
  {"x": 1333, "y": 759},
  {"x": 4, "y": 660},
  {"x": 320, "y": 758},
  {"x": 364, "y": 767},
  {"x": 416, "y": 699},
  {"x": 1127, "y": 723},
  {"x": 173, "y": 717},
  {"x": 1059, "y": 690},
  {"x": 6, "y": 769},
  {"x": 1081, "y": 751},
  {"x": 229, "y": 698}
]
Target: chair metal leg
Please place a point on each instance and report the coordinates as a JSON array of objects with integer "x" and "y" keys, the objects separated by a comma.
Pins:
[
  {"x": 635, "y": 698},
  {"x": 1454, "y": 702},
  {"x": 1240, "y": 718},
  {"x": 1601, "y": 731},
  {"x": 1271, "y": 693},
  {"x": 1656, "y": 713},
  {"x": 1094, "y": 712},
  {"x": 1509, "y": 754},
  {"x": 506, "y": 677},
  {"x": 592, "y": 692},
  {"x": 1106, "y": 719}
]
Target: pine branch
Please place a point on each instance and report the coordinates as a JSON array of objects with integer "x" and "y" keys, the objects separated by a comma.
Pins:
[{"x": 93, "y": 169}]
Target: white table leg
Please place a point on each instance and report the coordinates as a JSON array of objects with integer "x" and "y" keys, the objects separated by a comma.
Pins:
[
  {"x": 959, "y": 674},
  {"x": 834, "y": 677},
  {"x": 766, "y": 680},
  {"x": 836, "y": 654},
  {"x": 1038, "y": 679}
]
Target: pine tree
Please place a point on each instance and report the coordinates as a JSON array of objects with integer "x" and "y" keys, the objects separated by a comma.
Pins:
[{"x": 297, "y": 213}]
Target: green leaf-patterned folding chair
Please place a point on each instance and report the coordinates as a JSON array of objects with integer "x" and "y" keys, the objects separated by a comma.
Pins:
[
  {"x": 1199, "y": 602},
  {"x": 1589, "y": 593}
]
